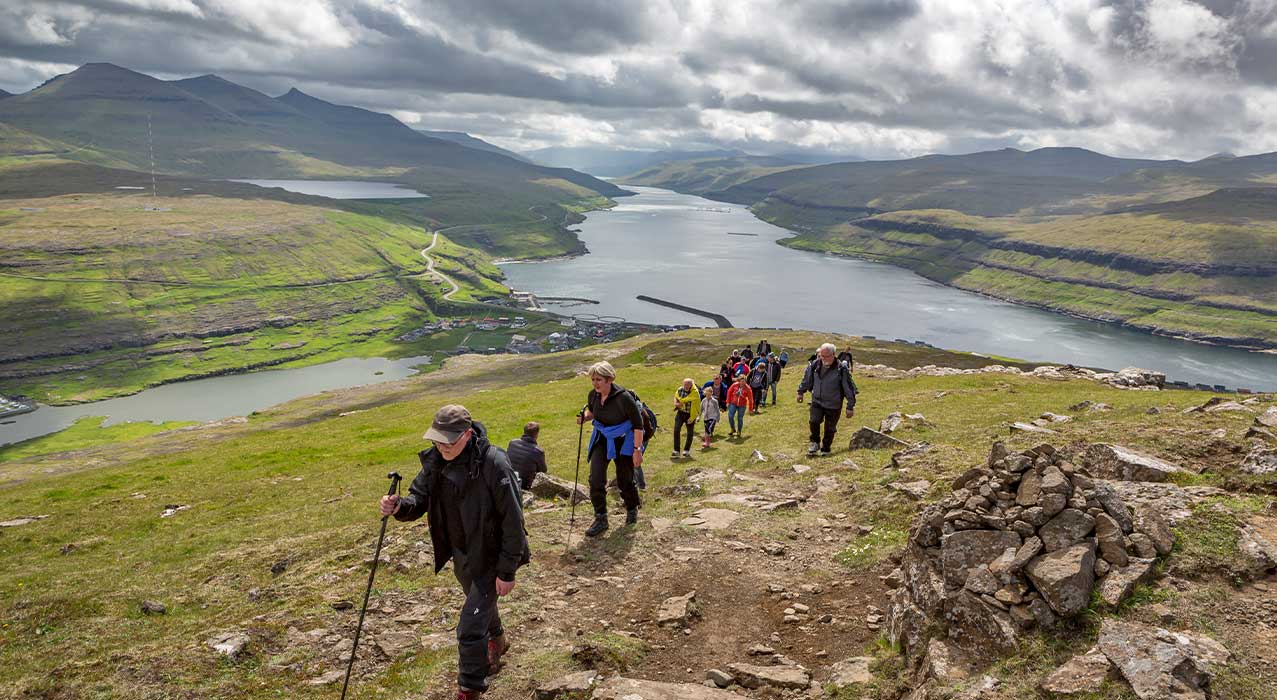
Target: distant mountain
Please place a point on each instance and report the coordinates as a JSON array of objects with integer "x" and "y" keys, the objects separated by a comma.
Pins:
[
  {"x": 464, "y": 139},
  {"x": 703, "y": 175},
  {"x": 5, "y": 93},
  {"x": 209, "y": 126},
  {"x": 614, "y": 162},
  {"x": 989, "y": 183}
]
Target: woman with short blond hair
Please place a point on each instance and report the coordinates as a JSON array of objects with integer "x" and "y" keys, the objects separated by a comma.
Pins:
[{"x": 617, "y": 438}]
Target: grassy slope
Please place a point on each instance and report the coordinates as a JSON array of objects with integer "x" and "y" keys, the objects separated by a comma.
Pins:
[
  {"x": 108, "y": 297},
  {"x": 707, "y": 174},
  {"x": 296, "y": 484}
]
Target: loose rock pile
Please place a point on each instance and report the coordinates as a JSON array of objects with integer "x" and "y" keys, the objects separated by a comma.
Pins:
[{"x": 1018, "y": 544}]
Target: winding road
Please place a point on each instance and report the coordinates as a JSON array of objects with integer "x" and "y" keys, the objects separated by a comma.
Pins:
[{"x": 430, "y": 268}]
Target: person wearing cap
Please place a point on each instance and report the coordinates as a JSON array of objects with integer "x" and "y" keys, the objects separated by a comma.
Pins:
[
  {"x": 471, "y": 498},
  {"x": 527, "y": 458},
  {"x": 618, "y": 431}
]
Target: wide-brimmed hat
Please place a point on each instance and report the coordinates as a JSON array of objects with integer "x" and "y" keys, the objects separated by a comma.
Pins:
[{"x": 449, "y": 423}]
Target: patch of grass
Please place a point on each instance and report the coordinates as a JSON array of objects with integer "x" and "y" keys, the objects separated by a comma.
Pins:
[
  {"x": 1206, "y": 543},
  {"x": 85, "y": 432}
]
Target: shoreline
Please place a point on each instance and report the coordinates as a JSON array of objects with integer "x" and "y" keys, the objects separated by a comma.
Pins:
[{"x": 1269, "y": 348}]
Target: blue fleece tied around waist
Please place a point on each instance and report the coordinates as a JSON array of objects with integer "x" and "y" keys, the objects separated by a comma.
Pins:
[{"x": 612, "y": 432}]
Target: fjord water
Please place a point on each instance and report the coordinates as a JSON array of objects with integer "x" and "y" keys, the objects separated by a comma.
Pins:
[
  {"x": 342, "y": 189},
  {"x": 680, "y": 248},
  {"x": 213, "y": 398}
]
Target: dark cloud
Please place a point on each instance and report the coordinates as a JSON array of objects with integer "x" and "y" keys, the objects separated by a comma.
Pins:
[{"x": 878, "y": 77}]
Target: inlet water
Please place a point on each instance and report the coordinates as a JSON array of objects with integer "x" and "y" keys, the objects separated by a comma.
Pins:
[{"x": 681, "y": 248}]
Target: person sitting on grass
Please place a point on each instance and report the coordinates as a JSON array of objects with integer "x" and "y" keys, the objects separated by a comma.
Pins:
[
  {"x": 710, "y": 413},
  {"x": 740, "y": 398},
  {"x": 687, "y": 407}
]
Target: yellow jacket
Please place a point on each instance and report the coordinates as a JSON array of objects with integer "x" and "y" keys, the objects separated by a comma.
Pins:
[{"x": 691, "y": 403}]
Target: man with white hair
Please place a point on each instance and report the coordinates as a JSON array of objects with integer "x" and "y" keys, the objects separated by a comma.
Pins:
[{"x": 829, "y": 382}]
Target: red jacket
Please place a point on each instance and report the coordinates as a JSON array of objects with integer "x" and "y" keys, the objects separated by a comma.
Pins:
[{"x": 740, "y": 395}]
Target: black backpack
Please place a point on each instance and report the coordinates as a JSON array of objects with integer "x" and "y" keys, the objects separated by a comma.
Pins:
[
  {"x": 847, "y": 360},
  {"x": 649, "y": 417}
]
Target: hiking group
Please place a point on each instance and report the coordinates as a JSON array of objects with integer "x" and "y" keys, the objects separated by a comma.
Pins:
[{"x": 470, "y": 490}]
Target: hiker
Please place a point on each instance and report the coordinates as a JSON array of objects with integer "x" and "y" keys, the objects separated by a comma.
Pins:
[
  {"x": 687, "y": 408},
  {"x": 747, "y": 354},
  {"x": 829, "y": 382},
  {"x": 739, "y": 399},
  {"x": 757, "y": 381},
  {"x": 470, "y": 496},
  {"x": 784, "y": 358},
  {"x": 773, "y": 374},
  {"x": 527, "y": 458},
  {"x": 649, "y": 429},
  {"x": 764, "y": 348},
  {"x": 710, "y": 414},
  {"x": 739, "y": 368},
  {"x": 617, "y": 435},
  {"x": 719, "y": 386}
]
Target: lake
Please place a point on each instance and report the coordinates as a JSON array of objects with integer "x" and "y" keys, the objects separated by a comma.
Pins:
[
  {"x": 681, "y": 248},
  {"x": 342, "y": 189},
  {"x": 215, "y": 397}
]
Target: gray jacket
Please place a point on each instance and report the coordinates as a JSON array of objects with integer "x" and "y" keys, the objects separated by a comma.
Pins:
[{"x": 828, "y": 385}]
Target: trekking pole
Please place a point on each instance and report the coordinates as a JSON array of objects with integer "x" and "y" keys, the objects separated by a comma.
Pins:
[
  {"x": 576, "y": 479},
  {"x": 394, "y": 488}
]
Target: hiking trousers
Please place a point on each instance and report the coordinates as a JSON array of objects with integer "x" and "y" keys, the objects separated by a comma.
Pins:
[
  {"x": 479, "y": 621},
  {"x": 682, "y": 419},
  {"x": 736, "y": 418},
  {"x": 829, "y": 416},
  {"x": 773, "y": 386},
  {"x": 758, "y": 397},
  {"x": 624, "y": 477}
]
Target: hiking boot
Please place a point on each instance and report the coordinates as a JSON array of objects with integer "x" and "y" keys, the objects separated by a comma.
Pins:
[
  {"x": 674, "y": 454},
  {"x": 497, "y": 647},
  {"x": 686, "y": 454},
  {"x": 631, "y": 516},
  {"x": 825, "y": 452},
  {"x": 468, "y": 694},
  {"x": 598, "y": 526},
  {"x": 811, "y": 449}
]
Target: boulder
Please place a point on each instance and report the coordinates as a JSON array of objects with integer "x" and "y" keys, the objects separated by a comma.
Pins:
[
  {"x": 1083, "y": 674},
  {"x": 1108, "y": 534},
  {"x": 1066, "y": 529},
  {"x": 852, "y": 672},
  {"x": 1257, "y": 541},
  {"x": 1161, "y": 665},
  {"x": 1135, "y": 378},
  {"x": 941, "y": 663},
  {"x": 1121, "y": 581},
  {"x": 550, "y": 486},
  {"x": 676, "y": 611},
  {"x": 917, "y": 490},
  {"x": 1260, "y": 460},
  {"x": 1267, "y": 419},
  {"x": 1064, "y": 578},
  {"x": 577, "y": 684},
  {"x": 869, "y": 439},
  {"x": 1030, "y": 492},
  {"x": 978, "y": 626},
  {"x": 970, "y": 548},
  {"x": 619, "y": 688},
  {"x": 232, "y": 645},
  {"x": 1109, "y": 461},
  {"x": 752, "y": 676}
]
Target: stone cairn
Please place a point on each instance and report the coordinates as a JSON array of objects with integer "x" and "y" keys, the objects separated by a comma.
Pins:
[{"x": 1018, "y": 544}]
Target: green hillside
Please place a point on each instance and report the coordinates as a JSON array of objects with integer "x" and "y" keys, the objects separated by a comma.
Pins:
[
  {"x": 105, "y": 294},
  {"x": 277, "y": 523},
  {"x": 1204, "y": 268}
]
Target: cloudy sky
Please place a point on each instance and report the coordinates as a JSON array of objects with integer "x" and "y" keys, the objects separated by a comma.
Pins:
[{"x": 879, "y": 78}]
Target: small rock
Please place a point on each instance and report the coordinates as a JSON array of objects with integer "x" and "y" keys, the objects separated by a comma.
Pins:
[
  {"x": 1109, "y": 461},
  {"x": 917, "y": 490},
  {"x": 720, "y": 679},
  {"x": 1084, "y": 673},
  {"x": 574, "y": 684},
  {"x": 328, "y": 678},
  {"x": 800, "y": 468},
  {"x": 751, "y": 676},
  {"x": 851, "y": 672},
  {"x": 232, "y": 645},
  {"x": 1065, "y": 577},
  {"x": 676, "y": 611},
  {"x": 1120, "y": 582},
  {"x": 1158, "y": 664},
  {"x": 869, "y": 439},
  {"x": 758, "y": 457},
  {"x": 760, "y": 650}
]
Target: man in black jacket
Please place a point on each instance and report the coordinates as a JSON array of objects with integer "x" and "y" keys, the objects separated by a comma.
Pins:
[
  {"x": 829, "y": 382},
  {"x": 471, "y": 498},
  {"x": 526, "y": 456}
]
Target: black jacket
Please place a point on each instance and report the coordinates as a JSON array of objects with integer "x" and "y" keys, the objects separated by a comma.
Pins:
[
  {"x": 526, "y": 458},
  {"x": 491, "y": 508},
  {"x": 829, "y": 386}
]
